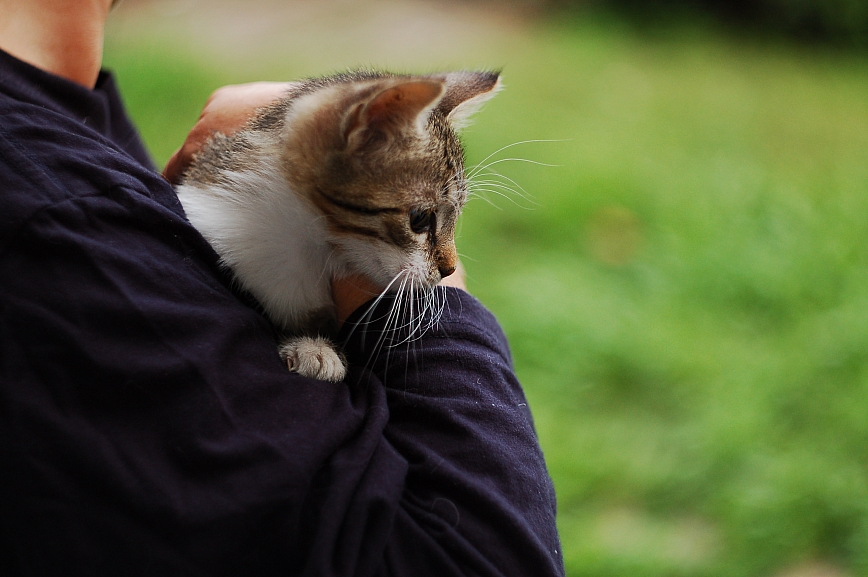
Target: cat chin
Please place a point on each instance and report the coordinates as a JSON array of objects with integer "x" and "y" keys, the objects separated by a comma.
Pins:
[
  {"x": 402, "y": 280},
  {"x": 384, "y": 265}
]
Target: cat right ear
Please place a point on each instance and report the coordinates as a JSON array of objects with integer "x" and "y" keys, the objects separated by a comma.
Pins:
[
  {"x": 392, "y": 111},
  {"x": 465, "y": 94}
]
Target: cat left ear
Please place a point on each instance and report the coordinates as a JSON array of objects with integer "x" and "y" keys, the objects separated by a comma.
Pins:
[
  {"x": 393, "y": 110},
  {"x": 465, "y": 94}
]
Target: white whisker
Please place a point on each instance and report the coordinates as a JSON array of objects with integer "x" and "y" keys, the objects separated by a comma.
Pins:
[
  {"x": 506, "y": 178},
  {"x": 476, "y": 168},
  {"x": 502, "y": 160},
  {"x": 477, "y": 194}
]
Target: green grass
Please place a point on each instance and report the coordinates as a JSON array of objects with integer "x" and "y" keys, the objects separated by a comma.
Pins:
[{"x": 686, "y": 292}]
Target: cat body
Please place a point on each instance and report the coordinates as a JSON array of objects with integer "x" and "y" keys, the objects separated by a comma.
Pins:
[{"x": 359, "y": 173}]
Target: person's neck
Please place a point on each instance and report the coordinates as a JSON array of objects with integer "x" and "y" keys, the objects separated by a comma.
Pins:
[{"x": 63, "y": 37}]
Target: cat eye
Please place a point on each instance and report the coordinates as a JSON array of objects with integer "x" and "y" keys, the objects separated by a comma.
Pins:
[{"x": 421, "y": 220}]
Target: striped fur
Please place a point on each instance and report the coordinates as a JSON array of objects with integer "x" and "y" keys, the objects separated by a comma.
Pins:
[{"x": 359, "y": 173}]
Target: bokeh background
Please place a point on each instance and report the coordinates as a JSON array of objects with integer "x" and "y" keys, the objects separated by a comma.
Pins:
[{"x": 674, "y": 237}]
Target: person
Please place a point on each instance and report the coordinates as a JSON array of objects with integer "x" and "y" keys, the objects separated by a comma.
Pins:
[{"x": 147, "y": 425}]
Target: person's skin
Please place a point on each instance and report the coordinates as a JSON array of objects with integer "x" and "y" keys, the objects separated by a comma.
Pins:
[{"x": 65, "y": 37}]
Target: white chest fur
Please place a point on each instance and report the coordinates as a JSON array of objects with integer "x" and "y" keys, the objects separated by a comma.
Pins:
[{"x": 274, "y": 241}]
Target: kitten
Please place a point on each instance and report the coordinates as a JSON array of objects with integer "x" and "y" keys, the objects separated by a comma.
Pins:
[{"x": 355, "y": 173}]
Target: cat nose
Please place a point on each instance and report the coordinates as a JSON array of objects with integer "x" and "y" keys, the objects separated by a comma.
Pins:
[{"x": 446, "y": 270}]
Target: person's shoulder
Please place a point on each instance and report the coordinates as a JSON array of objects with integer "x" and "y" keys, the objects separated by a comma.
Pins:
[
  {"x": 46, "y": 148},
  {"x": 48, "y": 158}
]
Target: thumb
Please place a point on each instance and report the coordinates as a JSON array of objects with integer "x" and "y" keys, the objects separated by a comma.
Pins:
[{"x": 174, "y": 169}]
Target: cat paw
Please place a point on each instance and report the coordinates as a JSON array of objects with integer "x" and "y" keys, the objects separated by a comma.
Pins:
[{"x": 314, "y": 357}]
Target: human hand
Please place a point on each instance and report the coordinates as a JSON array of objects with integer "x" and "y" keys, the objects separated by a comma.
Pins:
[
  {"x": 349, "y": 293},
  {"x": 226, "y": 111}
]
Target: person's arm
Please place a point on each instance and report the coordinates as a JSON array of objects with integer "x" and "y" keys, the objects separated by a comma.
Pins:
[{"x": 477, "y": 499}]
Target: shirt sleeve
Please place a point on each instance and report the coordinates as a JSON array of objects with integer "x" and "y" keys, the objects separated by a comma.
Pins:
[{"x": 477, "y": 498}]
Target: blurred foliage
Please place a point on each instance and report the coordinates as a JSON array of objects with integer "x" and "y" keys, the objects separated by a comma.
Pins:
[
  {"x": 688, "y": 303},
  {"x": 163, "y": 90},
  {"x": 685, "y": 290},
  {"x": 840, "y": 22}
]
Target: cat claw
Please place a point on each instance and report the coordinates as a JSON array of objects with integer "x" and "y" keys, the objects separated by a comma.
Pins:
[{"x": 314, "y": 357}]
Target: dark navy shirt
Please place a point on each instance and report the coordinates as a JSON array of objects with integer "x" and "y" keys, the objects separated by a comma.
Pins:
[{"x": 148, "y": 426}]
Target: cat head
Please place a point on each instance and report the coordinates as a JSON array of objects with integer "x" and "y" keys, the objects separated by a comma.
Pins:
[{"x": 378, "y": 156}]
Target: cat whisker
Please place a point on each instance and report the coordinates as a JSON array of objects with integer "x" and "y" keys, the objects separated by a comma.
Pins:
[
  {"x": 476, "y": 168},
  {"x": 437, "y": 299},
  {"x": 429, "y": 312},
  {"x": 394, "y": 315},
  {"x": 391, "y": 317},
  {"x": 412, "y": 320},
  {"x": 516, "y": 159},
  {"x": 411, "y": 316},
  {"x": 503, "y": 183},
  {"x": 467, "y": 257},
  {"x": 485, "y": 198},
  {"x": 325, "y": 268},
  {"x": 456, "y": 178},
  {"x": 501, "y": 186},
  {"x": 478, "y": 194},
  {"x": 366, "y": 319},
  {"x": 502, "y": 177}
]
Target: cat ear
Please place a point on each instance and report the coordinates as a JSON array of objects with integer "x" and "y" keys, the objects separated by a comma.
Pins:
[
  {"x": 392, "y": 110},
  {"x": 465, "y": 94}
]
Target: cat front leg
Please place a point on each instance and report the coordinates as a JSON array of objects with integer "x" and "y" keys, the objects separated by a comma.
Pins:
[{"x": 314, "y": 357}]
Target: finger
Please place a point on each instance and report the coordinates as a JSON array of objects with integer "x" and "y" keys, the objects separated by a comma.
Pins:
[
  {"x": 349, "y": 293},
  {"x": 173, "y": 170},
  {"x": 457, "y": 279}
]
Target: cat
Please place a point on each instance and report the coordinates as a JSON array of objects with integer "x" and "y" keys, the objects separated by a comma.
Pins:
[{"x": 356, "y": 173}]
